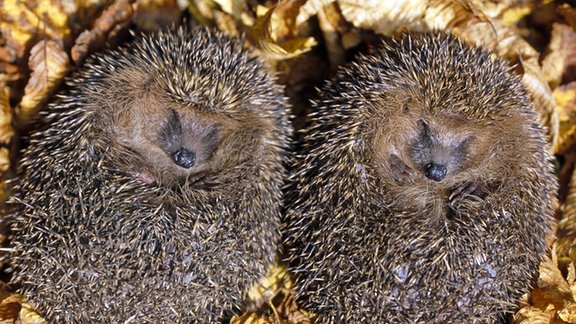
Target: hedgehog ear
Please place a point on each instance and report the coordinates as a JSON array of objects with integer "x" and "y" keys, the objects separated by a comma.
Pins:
[{"x": 405, "y": 110}]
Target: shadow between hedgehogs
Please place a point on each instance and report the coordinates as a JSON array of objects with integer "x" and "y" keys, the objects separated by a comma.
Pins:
[
  {"x": 153, "y": 192},
  {"x": 423, "y": 189}
]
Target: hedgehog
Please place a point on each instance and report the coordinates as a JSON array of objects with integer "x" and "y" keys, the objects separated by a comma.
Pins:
[
  {"x": 152, "y": 192},
  {"x": 422, "y": 191}
]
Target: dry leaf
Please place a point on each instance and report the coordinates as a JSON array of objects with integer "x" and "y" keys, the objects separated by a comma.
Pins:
[
  {"x": 561, "y": 57},
  {"x": 20, "y": 23},
  {"x": 552, "y": 288},
  {"x": 565, "y": 97},
  {"x": 268, "y": 286},
  {"x": 442, "y": 14},
  {"x": 534, "y": 315},
  {"x": 568, "y": 13},
  {"x": 383, "y": 17},
  {"x": 48, "y": 63},
  {"x": 152, "y": 15},
  {"x": 328, "y": 19},
  {"x": 269, "y": 31},
  {"x": 249, "y": 318},
  {"x": 115, "y": 17},
  {"x": 28, "y": 315},
  {"x": 506, "y": 12},
  {"x": 6, "y": 130},
  {"x": 10, "y": 305},
  {"x": 309, "y": 9}
]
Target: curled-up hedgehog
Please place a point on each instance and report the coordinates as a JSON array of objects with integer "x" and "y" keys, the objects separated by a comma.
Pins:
[
  {"x": 153, "y": 192},
  {"x": 423, "y": 190}
]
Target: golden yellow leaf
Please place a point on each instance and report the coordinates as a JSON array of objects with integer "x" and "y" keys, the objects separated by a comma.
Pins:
[
  {"x": 534, "y": 315},
  {"x": 383, "y": 17},
  {"x": 28, "y": 315},
  {"x": 267, "y": 287},
  {"x": 249, "y": 318},
  {"x": 267, "y": 31},
  {"x": 6, "y": 130},
  {"x": 552, "y": 288},
  {"x": 311, "y": 8},
  {"x": 568, "y": 314},
  {"x": 49, "y": 64}
]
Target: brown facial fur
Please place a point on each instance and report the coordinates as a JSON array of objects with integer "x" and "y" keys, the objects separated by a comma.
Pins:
[{"x": 410, "y": 134}]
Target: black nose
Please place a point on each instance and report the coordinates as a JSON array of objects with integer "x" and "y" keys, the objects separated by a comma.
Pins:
[
  {"x": 184, "y": 158},
  {"x": 436, "y": 172}
]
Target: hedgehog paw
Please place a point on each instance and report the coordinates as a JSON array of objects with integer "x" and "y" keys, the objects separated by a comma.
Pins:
[{"x": 471, "y": 190}]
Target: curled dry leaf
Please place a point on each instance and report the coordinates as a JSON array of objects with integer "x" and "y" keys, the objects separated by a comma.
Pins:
[
  {"x": 28, "y": 315},
  {"x": 553, "y": 300},
  {"x": 561, "y": 55},
  {"x": 249, "y": 318},
  {"x": 49, "y": 64},
  {"x": 565, "y": 97},
  {"x": 152, "y": 15},
  {"x": 280, "y": 304},
  {"x": 383, "y": 17},
  {"x": 507, "y": 12},
  {"x": 267, "y": 287},
  {"x": 311, "y": 8},
  {"x": 568, "y": 314},
  {"x": 566, "y": 243},
  {"x": 442, "y": 14},
  {"x": 115, "y": 17},
  {"x": 568, "y": 13},
  {"x": 10, "y": 305},
  {"x": 534, "y": 315},
  {"x": 336, "y": 54},
  {"x": 273, "y": 36},
  {"x": 21, "y": 23},
  {"x": 6, "y": 130},
  {"x": 552, "y": 288}
]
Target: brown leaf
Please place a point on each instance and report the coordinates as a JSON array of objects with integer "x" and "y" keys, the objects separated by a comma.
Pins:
[
  {"x": 6, "y": 130},
  {"x": 565, "y": 97},
  {"x": 10, "y": 305},
  {"x": 271, "y": 34},
  {"x": 28, "y": 315},
  {"x": 152, "y": 15},
  {"x": 568, "y": 13},
  {"x": 115, "y": 17},
  {"x": 534, "y": 315},
  {"x": 383, "y": 17},
  {"x": 49, "y": 64},
  {"x": 568, "y": 314},
  {"x": 552, "y": 288},
  {"x": 561, "y": 56}
]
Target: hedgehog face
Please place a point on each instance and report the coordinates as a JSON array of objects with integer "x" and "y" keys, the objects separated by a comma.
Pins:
[
  {"x": 173, "y": 143},
  {"x": 432, "y": 160},
  {"x": 430, "y": 153}
]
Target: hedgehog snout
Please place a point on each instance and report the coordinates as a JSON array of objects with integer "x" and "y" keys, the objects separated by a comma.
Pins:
[
  {"x": 435, "y": 171},
  {"x": 184, "y": 158}
]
